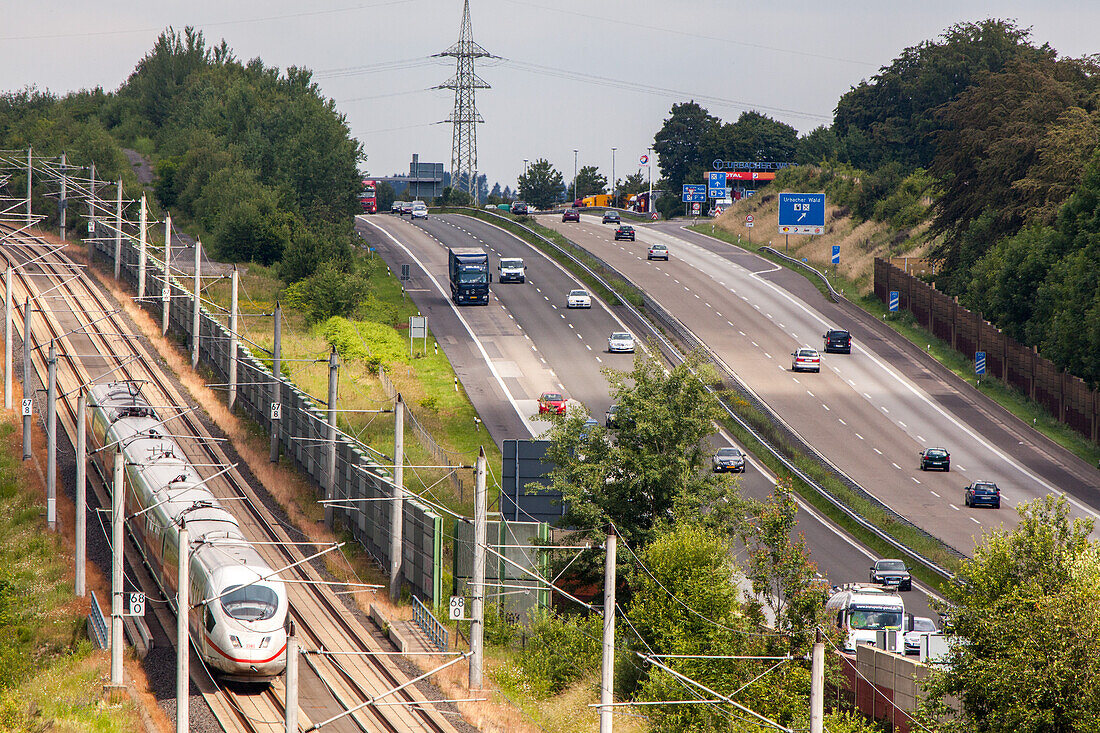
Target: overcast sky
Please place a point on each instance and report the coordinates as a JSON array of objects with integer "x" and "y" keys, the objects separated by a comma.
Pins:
[{"x": 584, "y": 75}]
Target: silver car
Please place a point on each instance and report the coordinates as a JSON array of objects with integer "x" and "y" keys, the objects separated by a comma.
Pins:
[
  {"x": 578, "y": 299},
  {"x": 921, "y": 627},
  {"x": 620, "y": 341}
]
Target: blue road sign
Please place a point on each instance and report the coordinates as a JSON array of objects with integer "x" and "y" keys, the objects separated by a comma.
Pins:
[
  {"x": 695, "y": 193},
  {"x": 801, "y": 213},
  {"x": 895, "y": 299},
  {"x": 718, "y": 193},
  {"x": 716, "y": 179},
  {"x": 979, "y": 363},
  {"x": 836, "y": 254}
]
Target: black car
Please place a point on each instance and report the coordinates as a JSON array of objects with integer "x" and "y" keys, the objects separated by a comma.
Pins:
[
  {"x": 837, "y": 341},
  {"x": 892, "y": 574},
  {"x": 728, "y": 459},
  {"x": 935, "y": 458},
  {"x": 611, "y": 217},
  {"x": 519, "y": 208},
  {"x": 983, "y": 492},
  {"x": 625, "y": 231}
]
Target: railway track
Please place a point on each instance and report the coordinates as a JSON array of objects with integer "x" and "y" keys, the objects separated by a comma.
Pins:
[{"x": 330, "y": 684}]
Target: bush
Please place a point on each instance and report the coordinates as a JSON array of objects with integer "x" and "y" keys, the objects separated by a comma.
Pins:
[
  {"x": 378, "y": 344},
  {"x": 561, "y": 650},
  {"x": 328, "y": 292}
]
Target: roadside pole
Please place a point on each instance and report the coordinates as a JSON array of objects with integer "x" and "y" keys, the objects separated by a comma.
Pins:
[
  {"x": 51, "y": 438},
  {"x": 233, "y": 280},
  {"x": 81, "y": 492},
  {"x": 397, "y": 506},
  {"x": 330, "y": 482},
  {"x": 30, "y": 168},
  {"x": 277, "y": 372},
  {"x": 291, "y": 680},
  {"x": 607, "y": 666},
  {"x": 195, "y": 309},
  {"x": 27, "y": 391},
  {"x": 117, "y": 507},
  {"x": 477, "y": 581},
  {"x": 183, "y": 645},
  {"x": 7, "y": 338},
  {"x": 143, "y": 221},
  {"x": 62, "y": 199},
  {"x": 118, "y": 232},
  {"x": 817, "y": 686},
  {"x": 166, "y": 286}
]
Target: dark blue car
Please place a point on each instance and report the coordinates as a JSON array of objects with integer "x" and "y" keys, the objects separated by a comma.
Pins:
[{"x": 983, "y": 493}]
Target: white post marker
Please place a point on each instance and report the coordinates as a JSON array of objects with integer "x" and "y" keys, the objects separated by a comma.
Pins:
[
  {"x": 81, "y": 491},
  {"x": 196, "y": 305},
  {"x": 30, "y": 190},
  {"x": 817, "y": 686},
  {"x": 477, "y": 582},
  {"x": 291, "y": 681},
  {"x": 183, "y": 646},
  {"x": 118, "y": 232},
  {"x": 233, "y": 339},
  {"x": 397, "y": 506},
  {"x": 7, "y": 339},
  {"x": 142, "y": 224},
  {"x": 607, "y": 665},
  {"x": 330, "y": 481},
  {"x": 117, "y": 507},
  {"x": 166, "y": 287}
]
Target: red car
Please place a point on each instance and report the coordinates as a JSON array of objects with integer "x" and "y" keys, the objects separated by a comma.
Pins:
[
  {"x": 571, "y": 215},
  {"x": 552, "y": 402}
]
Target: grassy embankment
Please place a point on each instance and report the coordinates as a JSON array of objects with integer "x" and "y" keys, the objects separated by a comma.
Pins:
[
  {"x": 860, "y": 243},
  {"x": 51, "y": 676}
]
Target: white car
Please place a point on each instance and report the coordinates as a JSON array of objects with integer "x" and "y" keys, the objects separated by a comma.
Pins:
[
  {"x": 420, "y": 211},
  {"x": 806, "y": 360},
  {"x": 620, "y": 341},
  {"x": 578, "y": 299}
]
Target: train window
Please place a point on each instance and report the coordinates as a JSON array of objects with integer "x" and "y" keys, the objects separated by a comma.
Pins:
[
  {"x": 210, "y": 623},
  {"x": 250, "y": 602}
]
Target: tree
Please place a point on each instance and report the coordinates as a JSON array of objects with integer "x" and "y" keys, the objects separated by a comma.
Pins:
[
  {"x": 384, "y": 195},
  {"x": 655, "y": 467},
  {"x": 678, "y": 142},
  {"x": 1025, "y": 650},
  {"x": 589, "y": 183},
  {"x": 542, "y": 185},
  {"x": 892, "y": 117},
  {"x": 634, "y": 183}
]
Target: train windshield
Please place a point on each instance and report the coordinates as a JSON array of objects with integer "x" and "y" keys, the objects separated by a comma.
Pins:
[
  {"x": 250, "y": 602},
  {"x": 871, "y": 618}
]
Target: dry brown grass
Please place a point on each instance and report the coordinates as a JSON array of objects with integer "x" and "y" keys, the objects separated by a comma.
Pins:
[{"x": 860, "y": 242}]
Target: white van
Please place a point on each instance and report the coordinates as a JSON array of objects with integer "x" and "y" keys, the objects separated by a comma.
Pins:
[{"x": 860, "y": 612}]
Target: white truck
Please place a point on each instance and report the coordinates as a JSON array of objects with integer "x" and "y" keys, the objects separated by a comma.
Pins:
[
  {"x": 860, "y": 612},
  {"x": 511, "y": 270}
]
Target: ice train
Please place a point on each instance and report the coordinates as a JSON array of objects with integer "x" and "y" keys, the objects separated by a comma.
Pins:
[{"x": 241, "y": 634}]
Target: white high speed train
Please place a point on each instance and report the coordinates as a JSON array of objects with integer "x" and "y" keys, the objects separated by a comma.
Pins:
[{"x": 241, "y": 632}]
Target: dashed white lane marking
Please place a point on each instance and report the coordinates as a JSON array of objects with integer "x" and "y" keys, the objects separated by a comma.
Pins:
[
  {"x": 895, "y": 466},
  {"x": 588, "y": 347},
  {"x": 579, "y": 336},
  {"x": 867, "y": 395},
  {"x": 851, "y": 382},
  {"x": 961, "y": 468},
  {"x": 876, "y": 450},
  {"x": 859, "y": 436},
  {"x": 935, "y": 494},
  {"x": 811, "y": 394},
  {"x": 902, "y": 424},
  {"x": 729, "y": 324},
  {"x": 599, "y": 360},
  {"x": 921, "y": 438},
  {"x": 767, "y": 355},
  {"x": 740, "y": 332},
  {"x": 826, "y": 407},
  {"x": 755, "y": 344},
  {"x": 975, "y": 521},
  {"x": 885, "y": 410},
  {"x": 953, "y": 507},
  {"x": 915, "y": 479},
  {"x": 571, "y": 325},
  {"x": 841, "y": 421}
]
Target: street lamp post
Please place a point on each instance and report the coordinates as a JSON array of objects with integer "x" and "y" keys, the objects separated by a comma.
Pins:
[
  {"x": 649, "y": 168},
  {"x": 574, "y": 175},
  {"x": 613, "y": 180}
]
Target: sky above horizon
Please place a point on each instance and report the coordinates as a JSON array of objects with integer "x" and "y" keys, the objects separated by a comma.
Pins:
[{"x": 573, "y": 75}]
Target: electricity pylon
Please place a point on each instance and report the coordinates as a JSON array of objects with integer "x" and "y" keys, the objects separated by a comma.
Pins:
[{"x": 465, "y": 115}]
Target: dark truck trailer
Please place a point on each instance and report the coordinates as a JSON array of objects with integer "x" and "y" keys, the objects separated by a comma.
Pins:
[{"x": 468, "y": 271}]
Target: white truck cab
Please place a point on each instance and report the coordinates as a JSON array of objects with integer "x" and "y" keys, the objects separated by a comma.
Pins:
[
  {"x": 511, "y": 269},
  {"x": 860, "y": 612}
]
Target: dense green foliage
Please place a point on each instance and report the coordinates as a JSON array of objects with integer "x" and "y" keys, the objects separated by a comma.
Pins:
[
  {"x": 1026, "y": 656},
  {"x": 542, "y": 184},
  {"x": 589, "y": 183},
  {"x": 258, "y": 158}
]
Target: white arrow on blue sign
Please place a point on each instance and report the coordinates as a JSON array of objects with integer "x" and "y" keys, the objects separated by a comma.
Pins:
[
  {"x": 836, "y": 254},
  {"x": 801, "y": 213},
  {"x": 716, "y": 179},
  {"x": 979, "y": 362},
  {"x": 895, "y": 299},
  {"x": 695, "y": 193}
]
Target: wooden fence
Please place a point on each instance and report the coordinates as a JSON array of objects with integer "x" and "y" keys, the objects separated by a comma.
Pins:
[{"x": 1066, "y": 397}]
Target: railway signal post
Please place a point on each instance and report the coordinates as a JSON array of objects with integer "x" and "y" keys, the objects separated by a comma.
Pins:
[
  {"x": 166, "y": 287},
  {"x": 28, "y": 403},
  {"x": 196, "y": 305},
  {"x": 118, "y": 231},
  {"x": 81, "y": 491},
  {"x": 607, "y": 665},
  {"x": 117, "y": 540},
  {"x": 7, "y": 338},
  {"x": 333, "y": 381},
  {"x": 291, "y": 681},
  {"x": 477, "y": 582},
  {"x": 233, "y": 280},
  {"x": 51, "y": 438},
  {"x": 143, "y": 223},
  {"x": 277, "y": 387}
]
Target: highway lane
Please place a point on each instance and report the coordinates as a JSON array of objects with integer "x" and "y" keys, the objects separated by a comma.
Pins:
[
  {"x": 839, "y": 558},
  {"x": 864, "y": 415}
]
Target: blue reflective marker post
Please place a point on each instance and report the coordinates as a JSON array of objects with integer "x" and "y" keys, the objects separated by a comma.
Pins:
[
  {"x": 979, "y": 365},
  {"x": 836, "y": 254},
  {"x": 895, "y": 300}
]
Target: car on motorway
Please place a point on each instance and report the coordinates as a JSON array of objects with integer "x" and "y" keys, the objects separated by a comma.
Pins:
[
  {"x": 578, "y": 299},
  {"x": 892, "y": 574},
  {"x": 625, "y": 231},
  {"x": 552, "y": 402},
  {"x": 806, "y": 360},
  {"x": 922, "y": 627},
  {"x": 982, "y": 492},
  {"x": 620, "y": 342},
  {"x": 395, "y": 207},
  {"x": 511, "y": 269},
  {"x": 657, "y": 252},
  {"x": 935, "y": 458},
  {"x": 837, "y": 341},
  {"x": 519, "y": 207},
  {"x": 406, "y": 208},
  {"x": 611, "y": 217},
  {"x": 728, "y": 458},
  {"x": 570, "y": 215},
  {"x": 611, "y": 417},
  {"x": 419, "y": 210}
]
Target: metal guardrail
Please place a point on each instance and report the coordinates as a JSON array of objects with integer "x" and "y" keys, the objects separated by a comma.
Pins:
[
  {"x": 436, "y": 632},
  {"x": 686, "y": 336},
  {"x": 97, "y": 625},
  {"x": 806, "y": 266}
]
